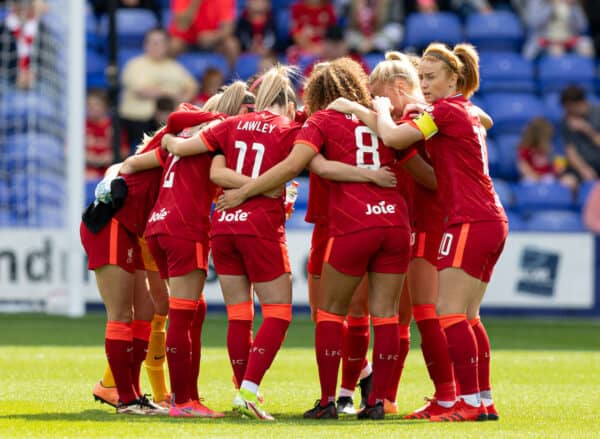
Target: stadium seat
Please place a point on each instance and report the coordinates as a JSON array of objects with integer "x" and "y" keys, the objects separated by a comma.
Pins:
[
  {"x": 167, "y": 15},
  {"x": 512, "y": 111},
  {"x": 132, "y": 24},
  {"x": 556, "y": 72},
  {"x": 197, "y": 63},
  {"x": 493, "y": 157},
  {"x": 372, "y": 59},
  {"x": 504, "y": 192},
  {"x": 542, "y": 196},
  {"x": 282, "y": 24},
  {"x": 507, "y": 156},
  {"x": 20, "y": 109},
  {"x": 247, "y": 65},
  {"x": 555, "y": 221},
  {"x": 499, "y": 30},
  {"x": 421, "y": 29},
  {"x": 92, "y": 39},
  {"x": 95, "y": 67},
  {"x": 35, "y": 152},
  {"x": 506, "y": 72},
  {"x": 516, "y": 223},
  {"x": 584, "y": 191}
]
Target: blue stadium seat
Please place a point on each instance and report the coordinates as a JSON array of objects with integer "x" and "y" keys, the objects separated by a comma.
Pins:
[
  {"x": 542, "y": 196},
  {"x": 302, "y": 200},
  {"x": 506, "y": 72},
  {"x": 504, "y": 192},
  {"x": 34, "y": 152},
  {"x": 584, "y": 191},
  {"x": 493, "y": 157},
  {"x": 247, "y": 65},
  {"x": 512, "y": 111},
  {"x": 555, "y": 221},
  {"x": 132, "y": 24},
  {"x": 95, "y": 66},
  {"x": 421, "y": 29},
  {"x": 507, "y": 153},
  {"x": 167, "y": 15},
  {"x": 499, "y": 30},
  {"x": 556, "y": 72},
  {"x": 282, "y": 23},
  {"x": 92, "y": 39},
  {"x": 552, "y": 108},
  {"x": 125, "y": 55},
  {"x": 197, "y": 63},
  {"x": 516, "y": 223},
  {"x": 372, "y": 59}
]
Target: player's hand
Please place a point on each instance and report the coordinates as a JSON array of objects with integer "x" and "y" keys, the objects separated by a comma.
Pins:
[
  {"x": 381, "y": 104},
  {"x": 384, "y": 177},
  {"x": 342, "y": 105},
  {"x": 166, "y": 139},
  {"x": 413, "y": 109},
  {"x": 230, "y": 198}
]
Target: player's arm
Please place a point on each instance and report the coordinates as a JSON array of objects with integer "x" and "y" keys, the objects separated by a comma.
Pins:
[
  {"x": 366, "y": 116},
  {"x": 141, "y": 162},
  {"x": 486, "y": 120},
  {"x": 338, "y": 171},
  {"x": 185, "y": 147},
  {"x": 225, "y": 177},
  {"x": 284, "y": 171},
  {"x": 403, "y": 135},
  {"x": 421, "y": 171}
]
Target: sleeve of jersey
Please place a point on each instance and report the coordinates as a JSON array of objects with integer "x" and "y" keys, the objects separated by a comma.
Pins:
[
  {"x": 425, "y": 124},
  {"x": 161, "y": 156},
  {"x": 211, "y": 136},
  {"x": 406, "y": 154},
  {"x": 310, "y": 134}
]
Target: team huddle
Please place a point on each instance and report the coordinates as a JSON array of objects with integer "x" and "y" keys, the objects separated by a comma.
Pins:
[{"x": 406, "y": 225}]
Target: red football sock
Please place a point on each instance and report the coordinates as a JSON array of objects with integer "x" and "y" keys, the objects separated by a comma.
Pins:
[
  {"x": 385, "y": 352},
  {"x": 268, "y": 340},
  {"x": 118, "y": 344},
  {"x": 329, "y": 342},
  {"x": 356, "y": 345},
  {"x": 141, "y": 334},
  {"x": 239, "y": 337},
  {"x": 179, "y": 347},
  {"x": 462, "y": 346},
  {"x": 483, "y": 349},
  {"x": 435, "y": 351},
  {"x": 404, "y": 346},
  {"x": 196, "y": 340}
]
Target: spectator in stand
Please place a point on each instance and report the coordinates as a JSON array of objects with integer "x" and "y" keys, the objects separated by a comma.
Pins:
[
  {"x": 98, "y": 136},
  {"x": 375, "y": 25},
  {"x": 23, "y": 22},
  {"x": 580, "y": 130},
  {"x": 556, "y": 27},
  {"x": 148, "y": 77},
  {"x": 100, "y": 7},
  {"x": 212, "y": 81},
  {"x": 205, "y": 25},
  {"x": 165, "y": 105},
  {"x": 536, "y": 162},
  {"x": 310, "y": 20},
  {"x": 255, "y": 29}
]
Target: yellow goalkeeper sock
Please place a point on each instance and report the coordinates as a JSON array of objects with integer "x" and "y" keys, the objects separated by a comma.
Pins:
[
  {"x": 155, "y": 359},
  {"x": 108, "y": 380}
]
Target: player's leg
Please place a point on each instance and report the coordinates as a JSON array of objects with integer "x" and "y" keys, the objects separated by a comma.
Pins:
[{"x": 143, "y": 310}]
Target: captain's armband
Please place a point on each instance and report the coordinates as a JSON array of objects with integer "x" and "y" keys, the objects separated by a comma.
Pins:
[{"x": 426, "y": 125}]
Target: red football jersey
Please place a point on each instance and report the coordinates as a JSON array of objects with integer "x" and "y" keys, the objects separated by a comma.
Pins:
[
  {"x": 252, "y": 144},
  {"x": 312, "y": 19},
  {"x": 318, "y": 200},
  {"x": 142, "y": 190},
  {"x": 459, "y": 155},
  {"x": 354, "y": 206}
]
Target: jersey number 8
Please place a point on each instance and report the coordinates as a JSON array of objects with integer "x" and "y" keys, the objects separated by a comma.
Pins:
[{"x": 361, "y": 133}]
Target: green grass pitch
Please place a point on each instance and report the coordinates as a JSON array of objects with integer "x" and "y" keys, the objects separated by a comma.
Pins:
[{"x": 546, "y": 383}]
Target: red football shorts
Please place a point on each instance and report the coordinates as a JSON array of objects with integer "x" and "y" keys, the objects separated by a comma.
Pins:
[
  {"x": 113, "y": 245},
  {"x": 318, "y": 245},
  {"x": 426, "y": 245},
  {"x": 260, "y": 259},
  {"x": 178, "y": 256},
  {"x": 473, "y": 247},
  {"x": 377, "y": 250}
]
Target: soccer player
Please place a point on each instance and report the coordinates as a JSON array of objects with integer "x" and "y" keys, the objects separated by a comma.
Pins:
[
  {"x": 476, "y": 224},
  {"x": 177, "y": 234},
  {"x": 369, "y": 231}
]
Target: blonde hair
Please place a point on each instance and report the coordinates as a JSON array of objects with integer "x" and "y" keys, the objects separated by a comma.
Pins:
[
  {"x": 397, "y": 65},
  {"x": 211, "y": 103},
  {"x": 232, "y": 98},
  {"x": 342, "y": 77},
  {"x": 276, "y": 88},
  {"x": 462, "y": 60}
]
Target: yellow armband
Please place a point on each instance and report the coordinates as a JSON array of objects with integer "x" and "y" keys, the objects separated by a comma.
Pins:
[{"x": 426, "y": 125}]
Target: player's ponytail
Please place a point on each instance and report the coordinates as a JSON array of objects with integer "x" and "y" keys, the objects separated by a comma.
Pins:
[
  {"x": 232, "y": 98},
  {"x": 397, "y": 65},
  {"x": 468, "y": 79},
  {"x": 275, "y": 88},
  {"x": 211, "y": 103}
]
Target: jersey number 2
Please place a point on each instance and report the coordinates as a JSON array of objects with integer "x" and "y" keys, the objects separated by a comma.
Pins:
[
  {"x": 170, "y": 174},
  {"x": 260, "y": 152}
]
